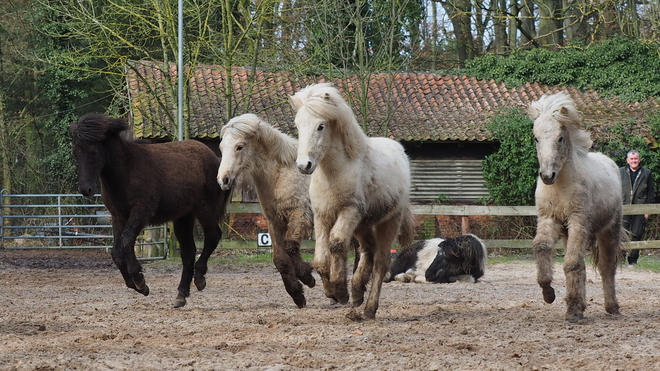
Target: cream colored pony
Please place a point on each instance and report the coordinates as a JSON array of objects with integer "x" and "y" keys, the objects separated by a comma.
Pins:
[
  {"x": 359, "y": 188},
  {"x": 252, "y": 147},
  {"x": 578, "y": 197}
]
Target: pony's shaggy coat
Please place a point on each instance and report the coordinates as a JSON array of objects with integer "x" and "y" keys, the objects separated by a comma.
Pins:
[
  {"x": 267, "y": 157},
  {"x": 441, "y": 261},
  {"x": 578, "y": 198},
  {"x": 359, "y": 188},
  {"x": 144, "y": 184},
  {"x": 461, "y": 258}
]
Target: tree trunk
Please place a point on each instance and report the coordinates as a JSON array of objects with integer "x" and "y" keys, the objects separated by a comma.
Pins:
[
  {"x": 527, "y": 29},
  {"x": 551, "y": 33},
  {"x": 514, "y": 11},
  {"x": 459, "y": 11},
  {"x": 499, "y": 23}
]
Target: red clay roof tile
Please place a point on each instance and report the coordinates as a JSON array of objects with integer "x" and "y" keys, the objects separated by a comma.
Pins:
[{"x": 424, "y": 106}]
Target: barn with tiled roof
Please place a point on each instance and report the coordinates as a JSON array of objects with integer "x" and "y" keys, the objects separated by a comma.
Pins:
[{"x": 441, "y": 120}]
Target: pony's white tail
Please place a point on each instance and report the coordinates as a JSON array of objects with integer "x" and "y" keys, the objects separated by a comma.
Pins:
[{"x": 407, "y": 229}]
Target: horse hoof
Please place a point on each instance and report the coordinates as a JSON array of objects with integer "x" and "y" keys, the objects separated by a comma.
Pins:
[
  {"x": 308, "y": 280},
  {"x": 613, "y": 311},
  {"x": 357, "y": 303},
  {"x": 144, "y": 289},
  {"x": 369, "y": 314},
  {"x": 179, "y": 302},
  {"x": 548, "y": 295},
  {"x": 200, "y": 283},
  {"x": 300, "y": 302},
  {"x": 342, "y": 298}
]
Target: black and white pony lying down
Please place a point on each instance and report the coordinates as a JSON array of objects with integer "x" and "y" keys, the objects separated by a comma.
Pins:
[{"x": 441, "y": 261}]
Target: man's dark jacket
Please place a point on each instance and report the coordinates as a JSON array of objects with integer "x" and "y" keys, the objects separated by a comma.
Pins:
[{"x": 641, "y": 192}]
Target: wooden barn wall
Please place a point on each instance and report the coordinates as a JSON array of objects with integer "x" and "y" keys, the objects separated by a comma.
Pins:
[{"x": 456, "y": 179}]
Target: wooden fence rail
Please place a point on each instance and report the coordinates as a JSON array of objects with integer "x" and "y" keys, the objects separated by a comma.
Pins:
[{"x": 481, "y": 210}]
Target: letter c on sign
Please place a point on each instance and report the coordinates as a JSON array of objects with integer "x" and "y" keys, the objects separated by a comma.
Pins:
[{"x": 263, "y": 239}]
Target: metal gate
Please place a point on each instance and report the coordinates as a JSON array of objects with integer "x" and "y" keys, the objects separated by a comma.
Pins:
[{"x": 67, "y": 221}]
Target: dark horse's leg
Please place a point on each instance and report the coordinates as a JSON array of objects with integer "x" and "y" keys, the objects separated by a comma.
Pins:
[
  {"x": 123, "y": 254},
  {"x": 118, "y": 254},
  {"x": 212, "y": 235},
  {"x": 183, "y": 230}
]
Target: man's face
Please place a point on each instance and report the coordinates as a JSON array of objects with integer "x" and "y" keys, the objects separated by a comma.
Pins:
[{"x": 633, "y": 161}]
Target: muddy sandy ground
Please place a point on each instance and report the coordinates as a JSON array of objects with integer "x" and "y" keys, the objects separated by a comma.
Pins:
[{"x": 72, "y": 312}]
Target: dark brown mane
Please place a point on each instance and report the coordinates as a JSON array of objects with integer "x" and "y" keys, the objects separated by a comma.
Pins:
[{"x": 95, "y": 127}]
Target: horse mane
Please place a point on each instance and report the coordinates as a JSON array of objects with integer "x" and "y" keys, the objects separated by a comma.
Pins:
[
  {"x": 281, "y": 146},
  {"x": 95, "y": 127},
  {"x": 561, "y": 108},
  {"x": 324, "y": 100}
]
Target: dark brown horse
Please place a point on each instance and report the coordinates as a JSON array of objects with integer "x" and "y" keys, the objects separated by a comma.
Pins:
[{"x": 143, "y": 184}]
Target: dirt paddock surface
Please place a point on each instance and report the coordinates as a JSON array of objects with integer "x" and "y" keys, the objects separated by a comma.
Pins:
[{"x": 70, "y": 311}]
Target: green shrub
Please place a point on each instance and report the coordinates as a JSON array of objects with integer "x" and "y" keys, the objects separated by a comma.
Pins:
[
  {"x": 623, "y": 67},
  {"x": 510, "y": 172}
]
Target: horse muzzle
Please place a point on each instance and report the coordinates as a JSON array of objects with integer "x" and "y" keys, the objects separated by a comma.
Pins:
[
  {"x": 548, "y": 179},
  {"x": 306, "y": 167},
  {"x": 225, "y": 183},
  {"x": 86, "y": 190}
]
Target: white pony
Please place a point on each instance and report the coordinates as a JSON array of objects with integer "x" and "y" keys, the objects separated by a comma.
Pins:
[
  {"x": 252, "y": 147},
  {"x": 578, "y": 198},
  {"x": 359, "y": 188}
]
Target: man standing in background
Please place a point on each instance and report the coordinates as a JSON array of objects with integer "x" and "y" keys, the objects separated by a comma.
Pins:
[{"x": 637, "y": 187}]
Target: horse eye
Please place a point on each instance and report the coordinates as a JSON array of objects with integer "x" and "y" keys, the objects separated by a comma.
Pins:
[
  {"x": 239, "y": 147},
  {"x": 561, "y": 139},
  {"x": 321, "y": 127}
]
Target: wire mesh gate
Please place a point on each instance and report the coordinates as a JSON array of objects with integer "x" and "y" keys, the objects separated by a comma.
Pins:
[{"x": 67, "y": 221}]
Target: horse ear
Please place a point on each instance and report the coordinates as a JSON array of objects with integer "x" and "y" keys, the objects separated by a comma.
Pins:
[
  {"x": 295, "y": 102},
  {"x": 533, "y": 112},
  {"x": 116, "y": 125}
]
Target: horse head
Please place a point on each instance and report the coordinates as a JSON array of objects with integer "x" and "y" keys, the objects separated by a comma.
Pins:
[
  {"x": 322, "y": 118},
  {"x": 312, "y": 136},
  {"x": 89, "y": 134},
  {"x": 238, "y": 148},
  {"x": 556, "y": 131}
]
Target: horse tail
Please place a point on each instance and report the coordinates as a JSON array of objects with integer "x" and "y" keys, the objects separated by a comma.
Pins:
[
  {"x": 621, "y": 249},
  {"x": 623, "y": 245},
  {"x": 407, "y": 229}
]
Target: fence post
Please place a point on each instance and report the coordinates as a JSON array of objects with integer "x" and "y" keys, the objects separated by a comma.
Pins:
[
  {"x": 2, "y": 217},
  {"x": 465, "y": 225}
]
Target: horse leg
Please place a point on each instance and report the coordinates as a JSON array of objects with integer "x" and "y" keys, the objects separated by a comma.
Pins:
[
  {"x": 285, "y": 266},
  {"x": 322, "y": 256},
  {"x": 547, "y": 234},
  {"x": 340, "y": 239},
  {"x": 294, "y": 235},
  {"x": 607, "y": 258},
  {"x": 575, "y": 271},
  {"x": 362, "y": 272},
  {"x": 355, "y": 244},
  {"x": 212, "y": 236},
  {"x": 118, "y": 256},
  {"x": 183, "y": 230},
  {"x": 132, "y": 228},
  {"x": 386, "y": 234}
]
